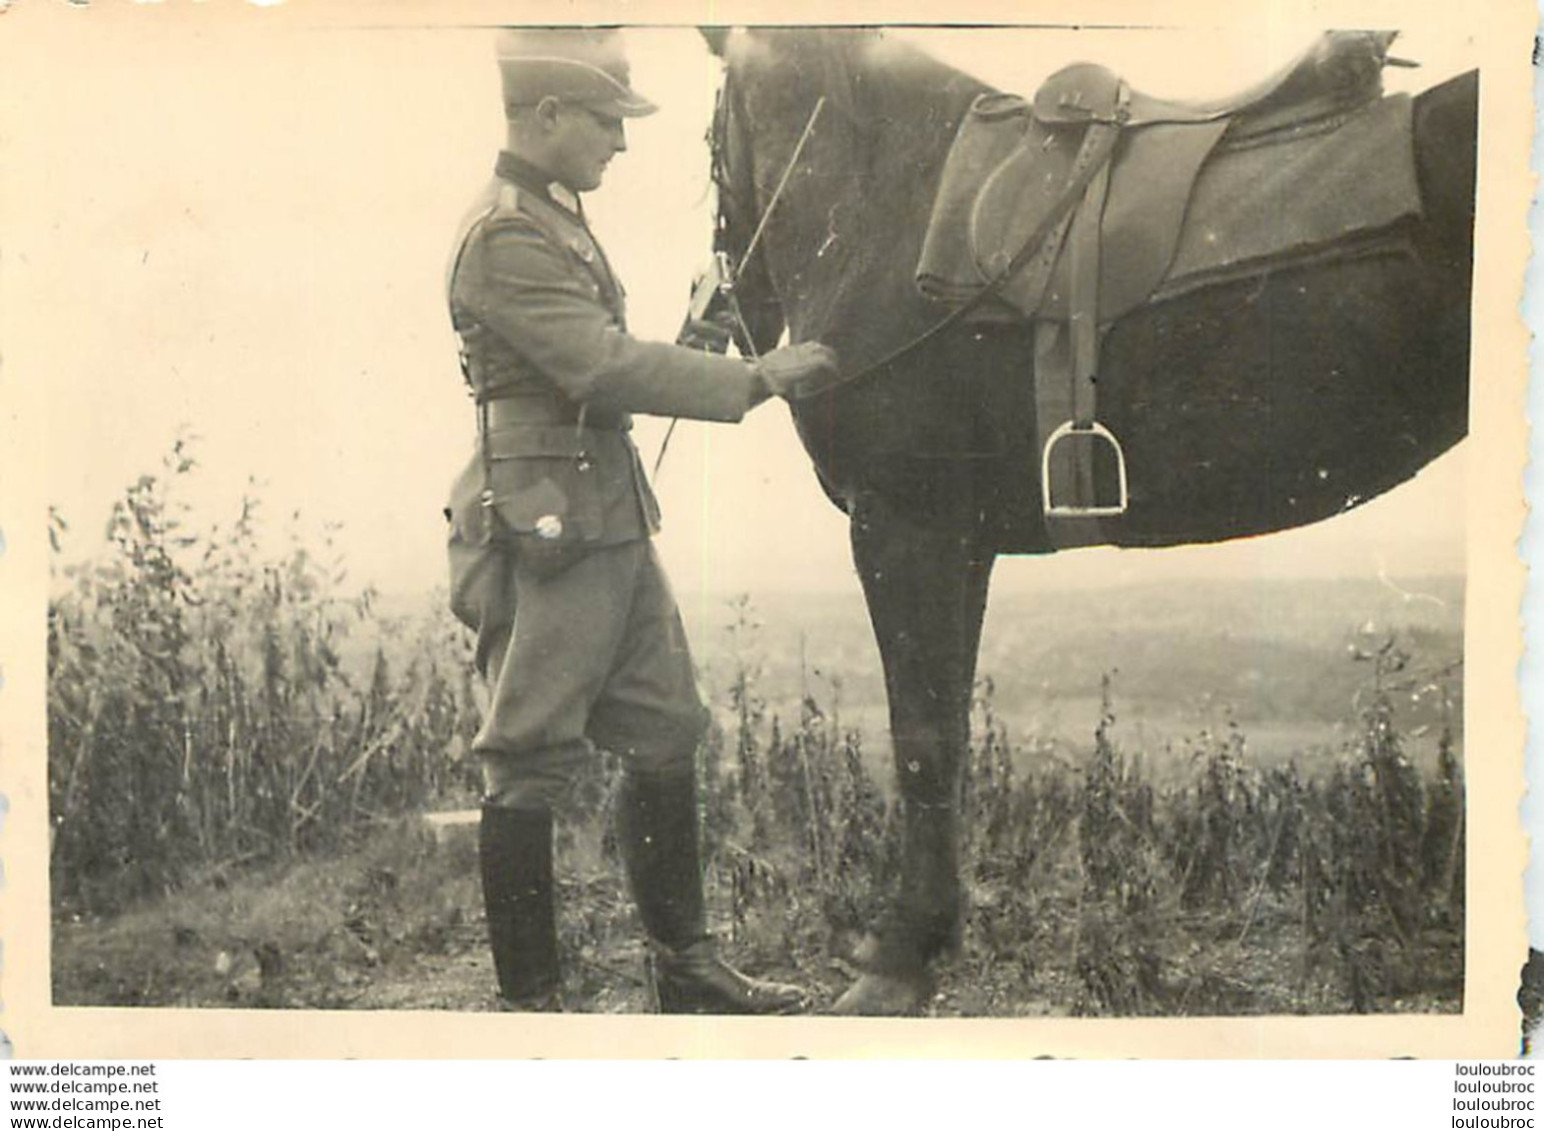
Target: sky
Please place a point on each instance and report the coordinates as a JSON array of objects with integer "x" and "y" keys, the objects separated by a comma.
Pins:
[{"x": 240, "y": 231}]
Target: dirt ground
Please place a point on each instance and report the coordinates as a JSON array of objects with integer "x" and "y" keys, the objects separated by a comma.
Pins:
[{"x": 397, "y": 924}]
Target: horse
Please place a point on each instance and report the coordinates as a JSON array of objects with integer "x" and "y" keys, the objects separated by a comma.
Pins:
[{"x": 1248, "y": 405}]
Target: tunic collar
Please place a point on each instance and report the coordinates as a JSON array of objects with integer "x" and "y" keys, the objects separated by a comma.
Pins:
[{"x": 528, "y": 176}]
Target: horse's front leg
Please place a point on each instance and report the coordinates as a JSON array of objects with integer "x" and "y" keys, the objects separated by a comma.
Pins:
[{"x": 926, "y": 585}]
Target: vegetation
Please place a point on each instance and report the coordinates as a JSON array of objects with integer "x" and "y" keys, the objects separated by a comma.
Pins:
[
  {"x": 237, "y": 759},
  {"x": 201, "y": 714}
]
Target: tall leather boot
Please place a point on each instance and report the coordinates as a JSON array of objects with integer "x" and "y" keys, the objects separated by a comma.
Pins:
[
  {"x": 657, "y": 833},
  {"x": 515, "y": 855}
]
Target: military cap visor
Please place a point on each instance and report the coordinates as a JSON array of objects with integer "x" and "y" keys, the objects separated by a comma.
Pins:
[{"x": 587, "y": 67}]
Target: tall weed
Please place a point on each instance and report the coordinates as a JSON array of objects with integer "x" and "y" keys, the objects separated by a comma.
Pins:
[{"x": 201, "y": 713}]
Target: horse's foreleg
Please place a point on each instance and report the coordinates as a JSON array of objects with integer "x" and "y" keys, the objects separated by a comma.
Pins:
[{"x": 926, "y": 588}]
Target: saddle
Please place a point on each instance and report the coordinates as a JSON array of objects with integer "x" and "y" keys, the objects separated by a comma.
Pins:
[{"x": 1073, "y": 207}]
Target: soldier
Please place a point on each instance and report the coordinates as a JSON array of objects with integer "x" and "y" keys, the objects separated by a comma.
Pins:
[{"x": 551, "y": 561}]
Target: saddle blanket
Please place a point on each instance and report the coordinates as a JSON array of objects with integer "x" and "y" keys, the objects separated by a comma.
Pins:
[{"x": 1261, "y": 202}]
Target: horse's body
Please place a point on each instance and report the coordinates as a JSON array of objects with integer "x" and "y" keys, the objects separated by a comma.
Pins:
[{"x": 1244, "y": 408}]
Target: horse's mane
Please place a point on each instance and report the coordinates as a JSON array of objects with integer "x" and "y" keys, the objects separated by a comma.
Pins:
[
  {"x": 893, "y": 106},
  {"x": 850, "y": 230},
  {"x": 868, "y": 77}
]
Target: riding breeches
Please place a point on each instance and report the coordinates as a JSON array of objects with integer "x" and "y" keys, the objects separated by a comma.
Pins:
[{"x": 595, "y": 656}]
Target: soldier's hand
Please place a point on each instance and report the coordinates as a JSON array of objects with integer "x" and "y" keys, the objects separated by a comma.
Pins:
[{"x": 798, "y": 371}]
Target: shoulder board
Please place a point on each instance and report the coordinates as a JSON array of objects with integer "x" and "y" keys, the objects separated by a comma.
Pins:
[
  {"x": 513, "y": 203},
  {"x": 501, "y": 201},
  {"x": 508, "y": 200}
]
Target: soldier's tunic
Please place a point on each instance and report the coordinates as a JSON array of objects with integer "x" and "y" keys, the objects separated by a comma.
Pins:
[{"x": 550, "y": 523}]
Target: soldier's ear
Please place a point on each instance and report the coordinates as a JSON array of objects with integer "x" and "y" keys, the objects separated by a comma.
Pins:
[{"x": 547, "y": 112}]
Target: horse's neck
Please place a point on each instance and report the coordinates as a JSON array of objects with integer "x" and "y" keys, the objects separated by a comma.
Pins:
[{"x": 848, "y": 235}]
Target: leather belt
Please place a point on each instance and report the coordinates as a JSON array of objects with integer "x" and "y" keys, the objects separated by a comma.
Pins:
[
  {"x": 499, "y": 415},
  {"x": 548, "y": 408}
]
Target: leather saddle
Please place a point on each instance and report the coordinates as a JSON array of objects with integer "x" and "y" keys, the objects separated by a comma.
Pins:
[
  {"x": 1079, "y": 219},
  {"x": 1088, "y": 144},
  {"x": 1337, "y": 65}
]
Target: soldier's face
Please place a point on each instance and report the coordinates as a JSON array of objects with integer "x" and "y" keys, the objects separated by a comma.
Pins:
[{"x": 583, "y": 142}]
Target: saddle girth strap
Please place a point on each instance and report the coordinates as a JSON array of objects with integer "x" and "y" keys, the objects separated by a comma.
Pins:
[
  {"x": 1084, "y": 326},
  {"x": 1067, "y": 376},
  {"x": 1084, "y": 280}
]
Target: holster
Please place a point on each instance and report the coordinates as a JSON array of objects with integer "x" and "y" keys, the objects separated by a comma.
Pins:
[{"x": 536, "y": 496}]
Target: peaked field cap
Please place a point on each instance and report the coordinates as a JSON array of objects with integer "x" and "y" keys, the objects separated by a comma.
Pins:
[{"x": 574, "y": 64}]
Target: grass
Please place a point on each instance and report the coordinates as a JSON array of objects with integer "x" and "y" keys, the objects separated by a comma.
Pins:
[
  {"x": 238, "y": 759},
  {"x": 1091, "y": 893},
  {"x": 314, "y": 932}
]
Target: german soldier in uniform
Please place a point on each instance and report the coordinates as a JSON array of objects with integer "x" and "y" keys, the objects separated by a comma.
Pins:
[{"x": 551, "y": 559}]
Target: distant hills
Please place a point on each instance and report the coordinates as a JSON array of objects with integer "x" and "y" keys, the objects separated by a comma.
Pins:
[{"x": 1279, "y": 657}]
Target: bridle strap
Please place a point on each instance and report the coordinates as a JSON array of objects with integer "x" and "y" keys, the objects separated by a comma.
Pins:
[{"x": 750, "y": 248}]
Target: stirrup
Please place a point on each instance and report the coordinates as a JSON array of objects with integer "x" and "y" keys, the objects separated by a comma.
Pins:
[{"x": 1092, "y": 432}]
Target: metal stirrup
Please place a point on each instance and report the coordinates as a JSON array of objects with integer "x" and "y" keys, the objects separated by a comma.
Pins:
[{"x": 1091, "y": 432}]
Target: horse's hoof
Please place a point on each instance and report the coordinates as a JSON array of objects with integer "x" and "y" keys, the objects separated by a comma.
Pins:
[{"x": 884, "y": 995}]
